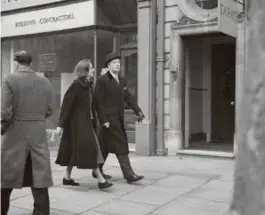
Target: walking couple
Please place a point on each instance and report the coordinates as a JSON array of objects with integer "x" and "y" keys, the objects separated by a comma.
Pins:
[{"x": 80, "y": 146}]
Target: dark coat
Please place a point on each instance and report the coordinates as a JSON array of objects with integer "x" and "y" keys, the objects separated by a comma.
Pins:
[
  {"x": 78, "y": 146},
  {"x": 109, "y": 100},
  {"x": 25, "y": 103}
]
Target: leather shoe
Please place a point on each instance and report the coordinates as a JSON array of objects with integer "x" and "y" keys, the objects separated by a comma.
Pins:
[
  {"x": 134, "y": 178},
  {"x": 70, "y": 182},
  {"x": 104, "y": 185},
  {"x": 94, "y": 175}
]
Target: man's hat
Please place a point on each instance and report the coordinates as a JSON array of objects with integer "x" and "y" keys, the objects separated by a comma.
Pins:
[
  {"x": 110, "y": 57},
  {"x": 22, "y": 57}
]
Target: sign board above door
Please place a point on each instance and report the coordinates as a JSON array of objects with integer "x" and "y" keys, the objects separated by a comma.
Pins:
[{"x": 228, "y": 13}]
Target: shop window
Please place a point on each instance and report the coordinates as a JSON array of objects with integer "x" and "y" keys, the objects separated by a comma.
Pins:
[{"x": 55, "y": 57}]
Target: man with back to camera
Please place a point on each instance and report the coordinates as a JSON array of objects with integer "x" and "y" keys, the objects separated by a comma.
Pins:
[
  {"x": 110, "y": 94},
  {"x": 25, "y": 159}
]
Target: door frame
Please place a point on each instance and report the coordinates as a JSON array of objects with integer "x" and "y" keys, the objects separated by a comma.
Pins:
[{"x": 208, "y": 42}]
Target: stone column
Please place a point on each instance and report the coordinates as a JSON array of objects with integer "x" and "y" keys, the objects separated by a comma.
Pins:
[
  {"x": 145, "y": 132},
  {"x": 175, "y": 134},
  {"x": 249, "y": 191}
]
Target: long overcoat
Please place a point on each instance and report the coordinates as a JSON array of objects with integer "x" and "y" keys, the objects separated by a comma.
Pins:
[
  {"x": 78, "y": 146},
  {"x": 26, "y": 102},
  {"x": 109, "y": 100}
]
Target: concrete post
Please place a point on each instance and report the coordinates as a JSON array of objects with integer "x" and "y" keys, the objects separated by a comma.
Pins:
[
  {"x": 249, "y": 191},
  {"x": 146, "y": 132}
]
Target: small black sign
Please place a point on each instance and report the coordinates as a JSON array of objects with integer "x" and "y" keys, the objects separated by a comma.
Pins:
[{"x": 47, "y": 62}]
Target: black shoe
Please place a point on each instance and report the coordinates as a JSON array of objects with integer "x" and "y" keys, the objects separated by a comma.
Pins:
[
  {"x": 104, "y": 185},
  {"x": 70, "y": 182},
  {"x": 104, "y": 175},
  {"x": 134, "y": 178}
]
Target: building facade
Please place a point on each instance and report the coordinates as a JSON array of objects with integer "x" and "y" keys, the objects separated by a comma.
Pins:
[
  {"x": 182, "y": 60},
  {"x": 199, "y": 76}
]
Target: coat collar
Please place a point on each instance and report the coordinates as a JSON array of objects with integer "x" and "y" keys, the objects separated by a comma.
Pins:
[
  {"x": 22, "y": 68},
  {"x": 84, "y": 82},
  {"x": 111, "y": 76}
]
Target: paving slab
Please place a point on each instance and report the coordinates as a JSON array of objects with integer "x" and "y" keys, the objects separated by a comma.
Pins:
[
  {"x": 120, "y": 207},
  {"x": 172, "y": 186},
  {"x": 211, "y": 194},
  {"x": 91, "y": 212},
  {"x": 180, "y": 180},
  {"x": 18, "y": 193},
  {"x": 192, "y": 206},
  {"x": 155, "y": 194},
  {"x": 220, "y": 184},
  {"x": 18, "y": 211}
]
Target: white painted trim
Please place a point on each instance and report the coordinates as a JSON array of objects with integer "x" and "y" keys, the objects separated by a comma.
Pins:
[
  {"x": 187, "y": 97},
  {"x": 206, "y": 153}
]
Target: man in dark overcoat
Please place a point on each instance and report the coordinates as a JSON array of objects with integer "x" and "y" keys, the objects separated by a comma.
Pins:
[
  {"x": 110, "y": 94},
  {"x": 25, "y": 159}
]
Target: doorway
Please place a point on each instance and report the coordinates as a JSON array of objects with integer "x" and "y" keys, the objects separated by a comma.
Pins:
[{"x": 209, "y": 92}]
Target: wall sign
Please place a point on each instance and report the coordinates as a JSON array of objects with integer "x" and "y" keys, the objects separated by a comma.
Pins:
[
  {"x": 7, "y": 5},
  {"x": 228, "y": 12},
  {"x": 46, "y": 20},
  {"x": 47, "y": 62}
]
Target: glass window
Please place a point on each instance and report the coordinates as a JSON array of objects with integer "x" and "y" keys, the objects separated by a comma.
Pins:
[
  {"x": 5, "y": 58},
  {"x": 207, "y": 4},
  {"x": 55, "y": 57}
]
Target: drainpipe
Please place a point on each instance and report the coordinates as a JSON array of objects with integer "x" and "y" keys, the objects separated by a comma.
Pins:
[
  {"x": 153, "y": 50},
  {"x": 161, "y": 151}
]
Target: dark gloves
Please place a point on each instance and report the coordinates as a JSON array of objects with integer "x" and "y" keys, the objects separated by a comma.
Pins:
[{"x": 140, "y": 117}]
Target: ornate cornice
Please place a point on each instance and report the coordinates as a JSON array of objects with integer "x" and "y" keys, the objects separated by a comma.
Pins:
[{"x": 186, "y": 21}]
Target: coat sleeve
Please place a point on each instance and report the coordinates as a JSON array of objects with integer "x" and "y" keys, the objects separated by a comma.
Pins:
[
  {"x": 131, "y": 101},
  {"x": 6, "y": 101},
  {"x": 99, "y": 97},
  {"x": 68, "y": 105},
  {"x": 93, "y": 106},
  {"x": 49, "y": 107}
]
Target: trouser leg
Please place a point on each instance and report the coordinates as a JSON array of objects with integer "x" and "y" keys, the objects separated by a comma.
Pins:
[
  {"x": 105, "y": 154},
  {"x": 5, "y": 200},
  {"x": 41, "y": 201},
  {"x": 125, "y": 165}
]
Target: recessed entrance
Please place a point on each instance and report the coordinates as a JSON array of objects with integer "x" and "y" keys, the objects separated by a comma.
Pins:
[{"x": 209, "y": 92}]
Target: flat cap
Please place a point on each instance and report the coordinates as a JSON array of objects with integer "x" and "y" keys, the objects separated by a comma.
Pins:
[
  {"x": 112, "y": 56},
  {"x": 22, "y": 57}
]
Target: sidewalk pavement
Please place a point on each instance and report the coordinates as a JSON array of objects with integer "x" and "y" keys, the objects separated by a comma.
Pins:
[{"x": 172, "y": 186}]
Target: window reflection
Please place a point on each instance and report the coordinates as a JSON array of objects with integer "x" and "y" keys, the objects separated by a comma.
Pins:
[{"x": 55, "y": 56}]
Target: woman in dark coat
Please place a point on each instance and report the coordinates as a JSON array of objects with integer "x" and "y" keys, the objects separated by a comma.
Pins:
[{"x": 79, "y": 145}]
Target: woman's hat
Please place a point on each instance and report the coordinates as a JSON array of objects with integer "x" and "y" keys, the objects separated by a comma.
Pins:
[{"x": 110, "y": 57}]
